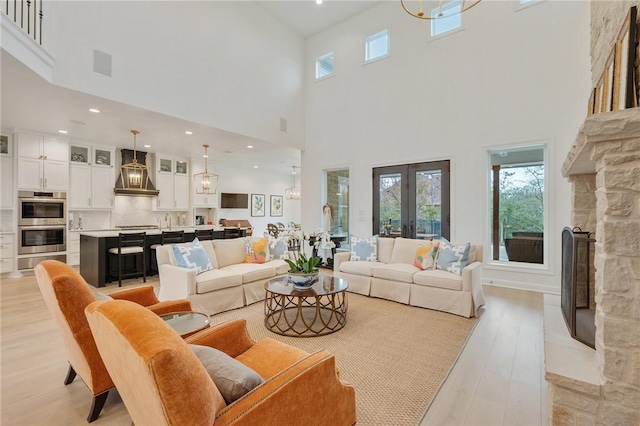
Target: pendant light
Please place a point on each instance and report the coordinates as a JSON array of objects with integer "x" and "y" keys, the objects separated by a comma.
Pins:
[
  {"x": 134, "y": 175},
  {"x": 294, "y": 192},
  {"x": 205, "y": 182}
]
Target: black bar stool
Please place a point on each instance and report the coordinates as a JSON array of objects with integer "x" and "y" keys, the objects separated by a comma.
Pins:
[
  {"x": 129, "y": 245},
  {"x": 168, "y": 237},
  {"x": 204, "y": 234}
]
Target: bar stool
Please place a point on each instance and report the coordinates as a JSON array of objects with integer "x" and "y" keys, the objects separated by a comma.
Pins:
[
  {"x": 204, "y": 234},
  {"x": 167, "y": 237},
  {"x": 129, "y": 245}
]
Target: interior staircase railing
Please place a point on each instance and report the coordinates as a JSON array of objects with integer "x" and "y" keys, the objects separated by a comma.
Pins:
[{"x": 27, "y": 14}]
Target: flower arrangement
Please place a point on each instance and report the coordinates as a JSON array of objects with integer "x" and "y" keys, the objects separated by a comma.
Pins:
[
  {"x": 322, "y": 240},
  {"x": 303, "y": 265}
]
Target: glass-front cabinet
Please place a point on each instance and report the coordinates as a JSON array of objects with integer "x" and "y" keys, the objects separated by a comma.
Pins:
[
  {"x": 172, "y": 180},
  {"x": 92, "y": 176}
]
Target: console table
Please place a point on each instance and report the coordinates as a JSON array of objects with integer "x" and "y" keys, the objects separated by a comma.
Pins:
[{"x": 337, "y": 239}]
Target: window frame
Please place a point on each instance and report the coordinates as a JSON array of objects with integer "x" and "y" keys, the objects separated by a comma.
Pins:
[
  {"x": 318, "y": 61},
  {"x": 366, "y": 46},
  {"x": 434, "y": 21}
]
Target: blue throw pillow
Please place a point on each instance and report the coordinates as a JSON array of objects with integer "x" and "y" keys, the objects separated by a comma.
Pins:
[
  {"x": 452, "y": 257},
  {"x": 364, "y": 249},
  {"x": 192, "y": 256}
]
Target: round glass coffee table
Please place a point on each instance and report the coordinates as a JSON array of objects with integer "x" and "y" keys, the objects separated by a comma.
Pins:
[
  {"x": 186, "y": 323},
  {"x": 314, "y": 311}
]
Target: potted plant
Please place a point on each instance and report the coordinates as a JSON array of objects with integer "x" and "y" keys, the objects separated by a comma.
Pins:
[{"x": 303, "y": 272}]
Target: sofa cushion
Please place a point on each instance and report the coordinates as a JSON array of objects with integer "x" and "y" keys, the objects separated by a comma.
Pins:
[
  {"x": 425, "y": 255},
  {"x": 256, "y": 250},
  {"x": 229, "y": 252},
  {"x": 385, "y": 248},
  {"x": 438, "y": 278},
  {"x": 358, "y": 267},
  {"x": 252, "y": 271},
  {"x": 216, "y": 279},
  {"x": 364, "y": 248},
  {"x": 452, "y": 257},
  {"x": 404, "y": 250},
  {"x": 232, "y": 378},
  {"x": 401, "y": 272},
  {"x": 281, "y": 266},
  {"x": 192, "y": 256}
]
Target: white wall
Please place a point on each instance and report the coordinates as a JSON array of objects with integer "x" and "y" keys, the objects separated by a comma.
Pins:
[
  {"x": 229, "y": 65},
  {"x": 510, "y": 77}
]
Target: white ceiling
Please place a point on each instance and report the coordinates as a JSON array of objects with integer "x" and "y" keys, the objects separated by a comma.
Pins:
[
  {"x": 31, "y": 103},
  {"x": 306, "y": 18}
]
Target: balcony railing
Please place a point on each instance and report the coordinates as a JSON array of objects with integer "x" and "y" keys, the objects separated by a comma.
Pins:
[{"x": 28, "y": 15}]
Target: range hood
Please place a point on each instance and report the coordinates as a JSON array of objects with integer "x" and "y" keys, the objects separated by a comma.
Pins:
[{"x": 145, "y": 187}]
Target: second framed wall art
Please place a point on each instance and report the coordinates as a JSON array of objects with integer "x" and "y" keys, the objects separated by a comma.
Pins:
[{"x": 276, "y": 205}]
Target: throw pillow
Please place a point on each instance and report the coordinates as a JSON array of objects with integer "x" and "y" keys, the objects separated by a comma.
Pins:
[
  {"x": 278, "y": 248},
  {"x": 364, "y": 249},
  {"x": 452, "y": 257},
  {"x": 192, "y": 256},
  {"x": 256, "y": 251},
  {"x": 425, "y": 256},
  {"x": 232, "y": 378}
]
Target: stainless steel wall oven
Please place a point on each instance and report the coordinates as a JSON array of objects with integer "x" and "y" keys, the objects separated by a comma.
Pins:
[{"x": 42, "y": 222}]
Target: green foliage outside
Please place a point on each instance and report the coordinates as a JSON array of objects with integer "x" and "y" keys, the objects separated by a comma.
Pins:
[
  {"x": 428, "y": 188},
  {"x": 521, "y": 200}
]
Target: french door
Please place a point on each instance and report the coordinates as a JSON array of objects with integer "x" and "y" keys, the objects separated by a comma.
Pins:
[{"x": 412, "y": 200}]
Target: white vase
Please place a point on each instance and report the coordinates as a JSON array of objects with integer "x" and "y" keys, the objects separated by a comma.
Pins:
[{"x": 303, "y": 280}]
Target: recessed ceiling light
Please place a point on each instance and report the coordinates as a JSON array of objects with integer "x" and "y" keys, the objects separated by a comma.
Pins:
[
  {"x": 64, "y": 132},
  {"x": 188, "y": 132},
  {"x": 94, "y": 110},
  {"x": 250, "y": 146},
  {"x": 255, "y": 167},
  {"x": 318, "y": 1},
  {"x": 147, "y": 146}
]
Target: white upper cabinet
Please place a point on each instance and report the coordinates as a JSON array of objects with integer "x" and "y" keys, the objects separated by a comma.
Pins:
[
  {"x": 172, "y": 180},
  {"x": 42, "y": 162},
  {"x": 92, "y": 177}
]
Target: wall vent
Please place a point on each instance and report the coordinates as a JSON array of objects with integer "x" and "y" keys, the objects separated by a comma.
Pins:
[
  {"x": 283, "y": 124},
  {"x": 101, "y": 62}
]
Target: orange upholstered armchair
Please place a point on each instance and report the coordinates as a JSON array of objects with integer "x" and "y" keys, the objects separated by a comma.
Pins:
[
  {"x": 162, "y": 381},
  {"x": 67, "y": 294}
]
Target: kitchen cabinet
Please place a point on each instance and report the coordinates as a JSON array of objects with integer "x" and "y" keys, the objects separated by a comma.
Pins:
[
  {"x": 73, "y": 248},
  {"x": 42, "y": 162},
  {"x": 6, "y": 183},
  {"x": 172, "y": 180},
  {"x": 203, "y": 200},
  {"x": 6, "y": 253},
  {"x": 92, "y": 178}
]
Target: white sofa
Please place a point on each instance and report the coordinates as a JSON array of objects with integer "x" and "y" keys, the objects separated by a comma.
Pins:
[
  {"x": 394, "y": 277},
  {"x": 231, "y": 283}
]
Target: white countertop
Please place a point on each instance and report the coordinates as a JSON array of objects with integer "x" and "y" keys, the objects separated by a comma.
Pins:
[{"x": 115, "y": 232}]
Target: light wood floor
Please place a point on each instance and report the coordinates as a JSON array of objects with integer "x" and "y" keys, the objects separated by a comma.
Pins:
[{"x": 499, "y": 378}]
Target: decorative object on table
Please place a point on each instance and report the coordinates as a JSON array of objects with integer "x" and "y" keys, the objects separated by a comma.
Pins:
[
  {"x": 205, "y": 182},
  {"x": 445, "y": 9},
  {"x": 79, "y": 221},
  {"x": 387, "y": 228},
  {"x": 322, "y": 242},
  {"x": 303, "y": 272},
  {"x": 294, "y": 192},
  {"x": 326, "y": 217},
  {"x": 70, "y": 221},
  {"x": 276, "y": 205},
  {"x": 257, "y": 204}
]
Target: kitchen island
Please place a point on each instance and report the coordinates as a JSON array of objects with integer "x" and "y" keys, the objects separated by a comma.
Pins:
[{"x": 95, "y": 245}]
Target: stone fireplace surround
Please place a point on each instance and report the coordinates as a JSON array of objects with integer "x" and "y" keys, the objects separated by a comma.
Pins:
[{"x": 602, "y": 386}]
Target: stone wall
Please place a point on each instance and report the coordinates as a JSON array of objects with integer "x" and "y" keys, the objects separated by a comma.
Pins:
[{"x": 606, "y": 20}]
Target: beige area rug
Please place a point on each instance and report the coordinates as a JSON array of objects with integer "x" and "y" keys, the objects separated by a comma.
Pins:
[{"x": 396, "y": 356}]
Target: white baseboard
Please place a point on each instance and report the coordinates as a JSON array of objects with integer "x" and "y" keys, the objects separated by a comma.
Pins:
[{"x": 541, "y": 288}]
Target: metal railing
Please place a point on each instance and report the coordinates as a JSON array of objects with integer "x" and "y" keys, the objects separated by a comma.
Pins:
[{"x": 28, "y": 15}]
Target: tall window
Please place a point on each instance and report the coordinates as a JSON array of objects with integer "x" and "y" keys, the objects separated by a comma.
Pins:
[
  {"x": 376, "y": 46},
  {"x": 518, "y": 204},
  {"x": 324, "y": 66},
  {"x": 448, "y": 18},
  {"x": 337, "y": 199}
]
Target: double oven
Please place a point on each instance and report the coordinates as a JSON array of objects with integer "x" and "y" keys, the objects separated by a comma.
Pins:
[{"x": 42, "y": 224}]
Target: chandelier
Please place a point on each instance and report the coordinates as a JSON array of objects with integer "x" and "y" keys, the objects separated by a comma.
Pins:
[
  {"x": 294, "y": 192},
  {"x": 205, "y": 182},
  {"x": 134, "y": 175},
  {"x": 443, "y": 5}
]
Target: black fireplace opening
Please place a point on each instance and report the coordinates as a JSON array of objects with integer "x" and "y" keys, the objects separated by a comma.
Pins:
[{"x": 577, "y": 249}]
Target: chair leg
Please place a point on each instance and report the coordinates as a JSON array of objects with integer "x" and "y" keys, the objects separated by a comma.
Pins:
[
  {"x": 97, "y": 405},
  {"x": 144, "y": 268},
  {"x": 71, "y": 374},
  {"x": 119, "y": 270}
]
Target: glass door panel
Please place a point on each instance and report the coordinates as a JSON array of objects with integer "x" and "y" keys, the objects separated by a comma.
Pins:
[
  {"x": 428, "y": 205},
  {"x": 390, "y": 205}
]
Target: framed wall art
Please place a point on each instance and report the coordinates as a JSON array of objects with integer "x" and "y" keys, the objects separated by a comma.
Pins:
[
  {"x": 5, "y": 145},
  {"x": 276, "y": 205},
  {"x": 257, "y": 205}
]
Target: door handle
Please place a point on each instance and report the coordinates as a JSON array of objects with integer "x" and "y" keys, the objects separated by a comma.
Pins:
[
  {"x": 411, "y": 235},
  {"x": 404, "y": 231}
]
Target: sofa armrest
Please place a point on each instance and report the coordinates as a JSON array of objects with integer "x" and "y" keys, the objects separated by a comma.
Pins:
[
  {"x": 278, "y": 400},
  {"x": 472, "y": 282},
  {"x": 340, "y": 257},
  {"x": 142, "y": 295},
  {"x": 230, "y": 337},
  {"x": 176, "y": 282}
]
